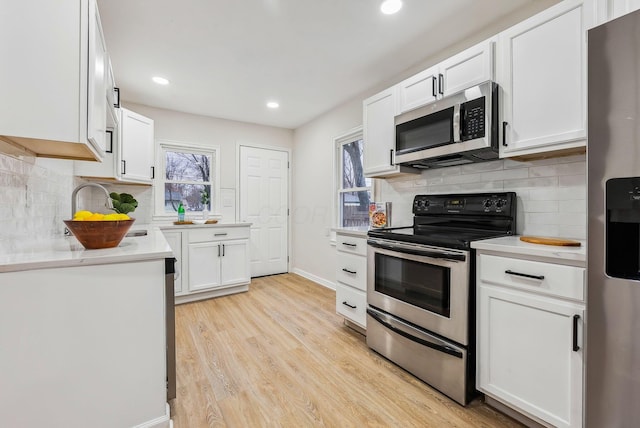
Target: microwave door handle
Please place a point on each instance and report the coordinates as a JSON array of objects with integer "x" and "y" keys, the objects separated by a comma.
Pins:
[{"x": 456, "y": 123}]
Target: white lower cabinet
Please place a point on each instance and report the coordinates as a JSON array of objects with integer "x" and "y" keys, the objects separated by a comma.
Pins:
[
  {"x": 351, "y": 278},
  {"x": 530, "y": 322},
  {"x": 212, "y": 261}
]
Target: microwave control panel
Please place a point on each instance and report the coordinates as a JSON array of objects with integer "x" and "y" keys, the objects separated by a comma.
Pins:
[{"x": 473, "y": 119}]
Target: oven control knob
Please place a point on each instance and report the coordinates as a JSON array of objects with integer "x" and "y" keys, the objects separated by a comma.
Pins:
[
  {"x": 487, "y": 203},
  {"x": 500, "y": 203}
]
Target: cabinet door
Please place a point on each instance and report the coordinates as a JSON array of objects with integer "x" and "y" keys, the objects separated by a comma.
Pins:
[
  {"x": 526, "y": 354},
  {"x": 175, "y": 242},
  {"x": 617, "y": 8},
  {"x": 379, "y": 134},
  {"x": 468, "y": 68},
  {"x": 97, "y": 81},
  {"x": 542, "y": 72},
  {"x": 235, "y": 262},
  {"x": 136, "y": 147},
  {"x": 204, "y": 265},
  {"x": 418, "y": 90}
]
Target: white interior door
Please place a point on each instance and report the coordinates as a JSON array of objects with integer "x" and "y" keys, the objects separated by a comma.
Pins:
[{"x": 264, "y": 188}]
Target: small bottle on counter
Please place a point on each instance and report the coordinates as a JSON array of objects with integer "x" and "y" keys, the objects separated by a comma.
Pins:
[{"x": 180, "y": 212}]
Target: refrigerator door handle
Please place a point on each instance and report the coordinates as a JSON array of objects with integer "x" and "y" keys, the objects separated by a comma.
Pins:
[{"x": 576, "y": 347}]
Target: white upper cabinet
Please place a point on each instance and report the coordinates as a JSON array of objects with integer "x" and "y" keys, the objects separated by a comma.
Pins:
[
  {"x": 379, "y": 133},
  {"x": 136, "y": 147},
  {"x": 470, "y": 67},
  {"x": 51, "y": 75},
  {"x": 130, "y": 151},
  {"x": 542, "y": 72},
  {"x": 606, "y": 10}
]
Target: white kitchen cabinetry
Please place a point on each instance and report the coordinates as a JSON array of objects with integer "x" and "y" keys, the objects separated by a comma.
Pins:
[
  {"x": 351, "y": 277},
  {"x": 52, "y": 79},
  {"x": 130, "y": 154},
  {"x": 530, "y": 322},
  {"x": 213, "y": 260},
  {"x": 606, "y": 10},
  {"x": 470, "y": 67},
  {"x": 379, "y": 133},
  {"x": 542, "y": 72}
]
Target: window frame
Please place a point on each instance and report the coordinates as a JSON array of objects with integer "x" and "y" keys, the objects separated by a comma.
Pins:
[
  {"x": 160, "y": 179},
  {"x": 354, "y": 134}
]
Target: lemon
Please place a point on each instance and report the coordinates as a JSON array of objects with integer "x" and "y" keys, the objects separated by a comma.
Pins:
[
  {"x": 111, "y": 217},
  {"x": 123, "y": 217},
  {"x": 95, "y": 217},
  {"x": 81, "y": 215}
]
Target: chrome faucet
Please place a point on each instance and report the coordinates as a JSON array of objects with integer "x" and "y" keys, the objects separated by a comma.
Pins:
[{"x": 74, "y": 196}]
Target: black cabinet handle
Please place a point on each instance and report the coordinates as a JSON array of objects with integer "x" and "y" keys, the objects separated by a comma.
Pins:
[
  {"x": 349, "y": 271},
  {"x": 525, "y": 275},
  {"x": 348, "y": 244},
  {"x": 433, "y": 86},
  {"x": 218, "y": 250},
  {"x": 504, "y": 133},
  {"x": 391, "y": 157},
  {"x": 222, "y": 250},
  {"x": 110, "y": 138},
  {"x": 116, "y": 96},
  {"x": 346, "y": 304},
  {"x": 441, "y": 83},
  {"x": 576, "y": 347},
  {"x": 153, "y": 172},
  {"x": 124, "y": 167}
]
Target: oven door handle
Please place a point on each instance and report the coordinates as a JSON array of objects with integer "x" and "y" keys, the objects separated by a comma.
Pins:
[
  {"x": 418, "y": 251},
  {"x": 411, "y": 333}
]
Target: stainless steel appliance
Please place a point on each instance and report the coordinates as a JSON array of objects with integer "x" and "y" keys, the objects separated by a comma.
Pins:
[
  {"x": 420, "y": 286},
  {"x": 170, "y": 318},
  {"x": 613, "y": 247},
  {"x": 458, "y": 129}
]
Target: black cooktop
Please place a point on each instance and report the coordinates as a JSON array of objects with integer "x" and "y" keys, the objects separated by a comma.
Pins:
[{"x": 456, "y": 220}]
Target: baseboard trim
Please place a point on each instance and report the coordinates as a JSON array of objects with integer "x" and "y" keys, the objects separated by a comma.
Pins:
[
  {"x": 159, "y": 422},
  {"x": 311, "y": 277}
]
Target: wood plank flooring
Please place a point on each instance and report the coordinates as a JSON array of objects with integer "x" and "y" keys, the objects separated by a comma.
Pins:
[{"x": 279, "y": 356}]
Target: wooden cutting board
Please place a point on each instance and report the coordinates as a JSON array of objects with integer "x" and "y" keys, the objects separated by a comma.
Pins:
[{"x": 550, "y": 241}]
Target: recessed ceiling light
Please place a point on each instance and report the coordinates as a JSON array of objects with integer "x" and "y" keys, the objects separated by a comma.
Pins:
[
  {"x": 389, "y": 7},
  {"x": 160, "y": 80},
  {"x": 273, "y": 104}
]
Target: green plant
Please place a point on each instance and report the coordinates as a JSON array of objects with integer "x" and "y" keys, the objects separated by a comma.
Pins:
[
  {"x": 204, "y": 198},
  {"x": 123, "y": 203}
]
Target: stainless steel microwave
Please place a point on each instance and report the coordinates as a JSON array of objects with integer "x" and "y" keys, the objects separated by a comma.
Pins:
[{"x": 459, "y": 129}]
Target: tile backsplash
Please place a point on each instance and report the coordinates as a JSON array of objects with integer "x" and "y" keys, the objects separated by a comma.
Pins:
[
  {"x": 36, "y": 196},
  {"x": 551, "y": 192}
]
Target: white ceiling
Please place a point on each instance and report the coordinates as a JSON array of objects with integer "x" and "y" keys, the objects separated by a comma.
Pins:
[{"x": 226, "y": 59}]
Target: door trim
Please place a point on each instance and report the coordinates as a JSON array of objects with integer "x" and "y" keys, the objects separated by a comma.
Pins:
[{"x": 289, "y": 198}]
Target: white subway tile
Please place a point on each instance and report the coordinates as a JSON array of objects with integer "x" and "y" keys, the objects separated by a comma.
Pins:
[
  {"x": 531, "y": 183},
  {"x": 481, "y": 167},
  {"x": 507, "y": 174},
  {"x": 463, "y": 178},
  {"x": 573, "y": 206},
  {"x": 578, "y": 180},
  {"x": 530, "y": 206}
]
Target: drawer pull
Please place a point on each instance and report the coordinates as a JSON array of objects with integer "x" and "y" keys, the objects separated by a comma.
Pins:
[
  {"x": 347, "y": 304},
  {"x": 349, "y": 245},
  {"x": 220, "y": 234},
  {"x": 349, "y": 271},
  {"x": 576, "y": 347},
  {"x": 525, "y": 275}
]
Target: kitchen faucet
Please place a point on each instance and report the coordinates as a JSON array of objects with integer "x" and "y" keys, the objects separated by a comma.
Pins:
[{"x": 74, "y": 196}]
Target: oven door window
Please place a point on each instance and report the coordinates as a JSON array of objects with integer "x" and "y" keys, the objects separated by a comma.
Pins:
[
  {"x": 420, "y": 284},
  {"x": 433, "y": 130}
]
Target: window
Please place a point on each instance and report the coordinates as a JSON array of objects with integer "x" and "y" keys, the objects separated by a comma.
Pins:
[
  {"x": 354, "y": 190},
  {"x": 189, "y": 174}
]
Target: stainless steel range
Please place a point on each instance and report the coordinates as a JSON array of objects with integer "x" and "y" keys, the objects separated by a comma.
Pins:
[{"x": 420, "y": 286}]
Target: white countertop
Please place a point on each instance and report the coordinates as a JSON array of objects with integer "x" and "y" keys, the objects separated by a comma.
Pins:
[
  {"x": 513, "y": 245},
  {"x": 354, "y": 231},
  {"x": 66, "y": 251},
  {"x": 171, "y": 226}
]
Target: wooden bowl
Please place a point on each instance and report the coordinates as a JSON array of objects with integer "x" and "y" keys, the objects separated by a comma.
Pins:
[{"x": 99, "y": 234}]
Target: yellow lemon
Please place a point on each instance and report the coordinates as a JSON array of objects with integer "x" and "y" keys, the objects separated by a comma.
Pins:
[
  {"x": 80, "y": 215},
  {"x": 111, "y": 217},
  {"x": 95, "y": 217},
  {"x": 123, "y": 217}
]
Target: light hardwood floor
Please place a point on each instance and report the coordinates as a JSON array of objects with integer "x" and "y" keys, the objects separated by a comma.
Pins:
[{"x": 279, "y": 356}]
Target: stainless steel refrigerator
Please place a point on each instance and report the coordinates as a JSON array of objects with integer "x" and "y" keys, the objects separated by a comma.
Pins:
[{"x": 613, "y": 251}]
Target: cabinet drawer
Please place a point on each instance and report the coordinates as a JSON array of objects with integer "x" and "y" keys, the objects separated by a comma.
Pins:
[
  {"x": 351, "y": 304},
  {"x": 544, "y": 278},
  {"x": 217, "y": 234},
  {"x": 352, "y": 270},
  {"x": 351, "y": 244}
]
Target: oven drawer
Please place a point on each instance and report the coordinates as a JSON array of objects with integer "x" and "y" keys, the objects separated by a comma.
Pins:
[
  {"x": 351, "y": 304},
  {"x": 352, "y": 270},
  {"x": 544, "y": 278},
  {"x": 351, "y": 244}
]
